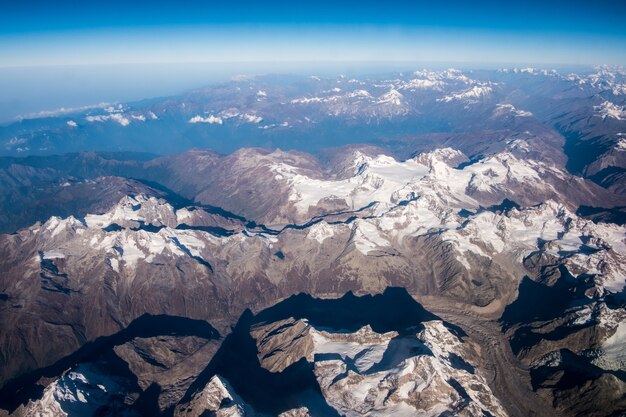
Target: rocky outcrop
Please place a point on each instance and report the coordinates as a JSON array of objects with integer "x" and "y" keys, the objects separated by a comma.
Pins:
[{"x": 348, "y": 356}]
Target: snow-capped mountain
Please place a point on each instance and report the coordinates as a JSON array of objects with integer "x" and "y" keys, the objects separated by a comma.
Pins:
[
  {"x": 583, "y": 110},
  {"x": 362, "y": 223}
]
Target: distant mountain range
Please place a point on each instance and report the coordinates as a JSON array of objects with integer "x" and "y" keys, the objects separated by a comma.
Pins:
[{"x": 473, "y": 110}]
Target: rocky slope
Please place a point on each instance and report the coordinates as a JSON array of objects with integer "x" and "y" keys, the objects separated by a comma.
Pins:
[
  {"x": 476, "y": 236},
  {"x": 349, "y": 356}
]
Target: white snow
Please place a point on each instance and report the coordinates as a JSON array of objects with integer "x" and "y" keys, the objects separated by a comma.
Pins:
[
  {"x": 504, "y": 109},
  {"x": 307, "y": 100},
  {"x": 251, "y": 118},
  {"x": 229, "y": 113},
  {"x": 183, "y": 215},
  {"x": 131, "y": 254},
  {"x": 519, "y": 144},
  {"x": 437, "y": 79},
  {"x": 114, "y": 108},
  {"x": 16, "y": 141},
  {"x": 321, "y": 231},
  {"x": 81, "y": 391},
  {"x": 422, "y": 84},
  {"x": 116, "y": 117},
  {"x": 611, "y": 110},
  {"x": 209, "y": 119},
  {"x": 115, "y": 265},
  {"x": 188, "y": 239},
  {"x": 394, "y": 389},
  {"x": 607, "y": 78},
  {"x": 213, "y": 397},
  {"x": 366, "y": 353},
  {"x": 359, "y": 94},
  {"x": 367, "y": 237},
  {"x": 56, "y": 225},
  {"x": 474, "y": 93},
  {"x": 122, "y": 212},
  {"x": 613, "y": 354},
  {"x": 393, "y": 97},
  {"x": 376, "y": 179},
  {"x": 431, "y": 190},
  {"x": 53, "y": 254}
]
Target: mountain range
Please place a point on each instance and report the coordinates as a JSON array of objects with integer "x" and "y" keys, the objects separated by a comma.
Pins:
[{"x": 431, "y": 243}]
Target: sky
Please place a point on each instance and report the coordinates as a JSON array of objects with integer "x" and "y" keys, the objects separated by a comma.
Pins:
[
  {"x": 63, "y": 32},
  {"x": 76, "y": 52}
]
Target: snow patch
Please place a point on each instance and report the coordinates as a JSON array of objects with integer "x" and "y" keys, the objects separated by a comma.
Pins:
[
  {"x": 611, "y": 110},
  {"x": 209, "y": 120},
  {"x": 321, "y": 231},
  {"x": 115, "y": 117},
  {"x": 251, "y": 118},
  {"x": 470, "y": 95},
  {"x": 53, "y": 254},
  {"x": 614, "y": 350},
  {"x": 503, "y": 109},
  {"x": 393, "y": 97}
]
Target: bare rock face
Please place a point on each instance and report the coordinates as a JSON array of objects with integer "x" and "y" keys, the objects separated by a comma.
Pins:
[
  {"x": 217, "y": 398},
  {"x": 577, "y": 388},
  {"x": 171, "y": 363},
  {"x": 283, "y": 343},
  {"x": 296, "y": 412}
]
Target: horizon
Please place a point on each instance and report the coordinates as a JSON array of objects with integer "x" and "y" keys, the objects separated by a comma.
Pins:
[
  {"x": 74, "y": 54},
  {"x": 31, "y": 92}
]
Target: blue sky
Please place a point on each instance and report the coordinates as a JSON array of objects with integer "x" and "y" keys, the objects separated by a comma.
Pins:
[{"x": 80, "y": 32}]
